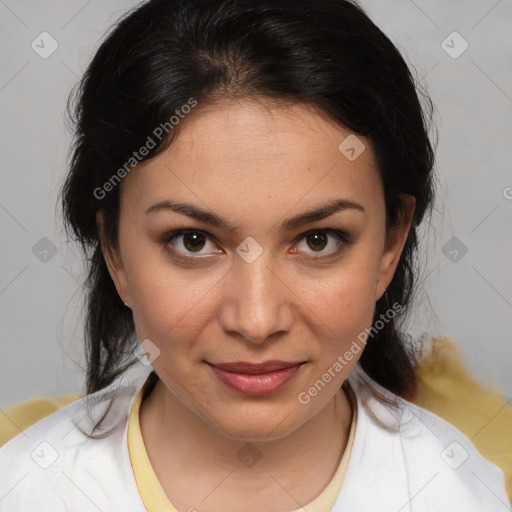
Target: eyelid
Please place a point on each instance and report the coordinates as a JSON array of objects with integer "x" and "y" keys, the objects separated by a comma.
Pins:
[
  {"x": 337, "y": 233},
  {"x": 341, "y": 236},
  {"x": 180, "y": 231}
]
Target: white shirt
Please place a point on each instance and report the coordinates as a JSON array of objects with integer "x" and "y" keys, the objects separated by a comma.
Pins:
[{"x": 423, "y": 464}]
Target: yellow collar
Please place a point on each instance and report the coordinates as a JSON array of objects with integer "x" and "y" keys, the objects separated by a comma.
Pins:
[{"x": 154, "y": 497}]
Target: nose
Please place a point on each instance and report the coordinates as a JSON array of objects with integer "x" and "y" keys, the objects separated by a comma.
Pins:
[{"x": 256, "y": 301}]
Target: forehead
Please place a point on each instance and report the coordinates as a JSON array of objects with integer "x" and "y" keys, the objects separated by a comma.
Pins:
[{"x": 266, "y": 153}]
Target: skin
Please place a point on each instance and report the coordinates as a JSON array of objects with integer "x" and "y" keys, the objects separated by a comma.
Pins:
[{"x": 254, "y": 166}]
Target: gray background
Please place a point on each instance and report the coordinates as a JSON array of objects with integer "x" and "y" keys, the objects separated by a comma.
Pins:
[{"x": 469, "y": 299}]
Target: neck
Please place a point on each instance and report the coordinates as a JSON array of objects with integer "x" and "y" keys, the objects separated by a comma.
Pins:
[{"x": 178, "y": 443}]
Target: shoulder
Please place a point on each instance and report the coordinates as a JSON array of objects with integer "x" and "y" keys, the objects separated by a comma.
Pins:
[
  {"x": 421, "y": 458},
  {"x": 20, "y": 416},
  {"x": 55, "y": 465},
  {"x": 445, "y": 458}
]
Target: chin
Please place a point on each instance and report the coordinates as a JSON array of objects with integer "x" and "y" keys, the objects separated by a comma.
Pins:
[{"x": 265, "y": 426}]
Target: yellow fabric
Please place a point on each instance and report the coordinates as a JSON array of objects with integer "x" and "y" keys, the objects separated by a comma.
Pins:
[
  {"x": 155, "y": 499},
  {"x": 445, "y": 388},
  {"x": 477, "y": 409},
  {"x": 18, "y": 417}
]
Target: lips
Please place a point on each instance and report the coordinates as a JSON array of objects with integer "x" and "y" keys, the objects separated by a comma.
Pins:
[
  {"x": 256, "y": 368},
  {"x": 256, "y": 379}
]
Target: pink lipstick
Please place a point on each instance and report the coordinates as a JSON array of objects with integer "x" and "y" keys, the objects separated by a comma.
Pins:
[{"x": 256, "y": 379}]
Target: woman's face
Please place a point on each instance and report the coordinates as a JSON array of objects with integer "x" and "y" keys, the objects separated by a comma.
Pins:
[{"x": 255, "y": 279}]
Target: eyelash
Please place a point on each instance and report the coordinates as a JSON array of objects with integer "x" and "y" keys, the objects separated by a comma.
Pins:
[{"x": 341, "y": 236}]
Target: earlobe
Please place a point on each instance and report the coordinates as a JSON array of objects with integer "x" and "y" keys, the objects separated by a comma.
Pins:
[
  {"x": 394, "y": 245},
  {"x": 113, "y": 261}
]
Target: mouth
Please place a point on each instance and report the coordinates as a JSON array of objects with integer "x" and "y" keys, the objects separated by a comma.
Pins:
[{"x": 256, "y": 379}]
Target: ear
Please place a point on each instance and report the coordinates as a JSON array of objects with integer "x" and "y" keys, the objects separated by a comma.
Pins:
[
  {"x": 113, "y": 260},
  {"x": 394, "y": 245}
]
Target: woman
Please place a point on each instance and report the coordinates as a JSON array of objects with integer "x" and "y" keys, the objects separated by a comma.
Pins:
[{"x": 247, "y": 183}]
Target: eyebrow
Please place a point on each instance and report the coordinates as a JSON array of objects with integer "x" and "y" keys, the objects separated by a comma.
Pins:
[{"x": 307, "y": 217}]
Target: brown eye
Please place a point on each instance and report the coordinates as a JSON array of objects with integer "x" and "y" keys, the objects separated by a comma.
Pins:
[
  {"x": 317, "y": 241},
  {"x": 193, "y": 241},
  {"x": 184, "y": 242}
]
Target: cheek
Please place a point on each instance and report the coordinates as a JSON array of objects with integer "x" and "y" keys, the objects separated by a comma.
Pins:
[
  {"x": 348, "y": 307},
  {"x": 164, "y": 303},
  {"x": 345, "y": 303}
]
